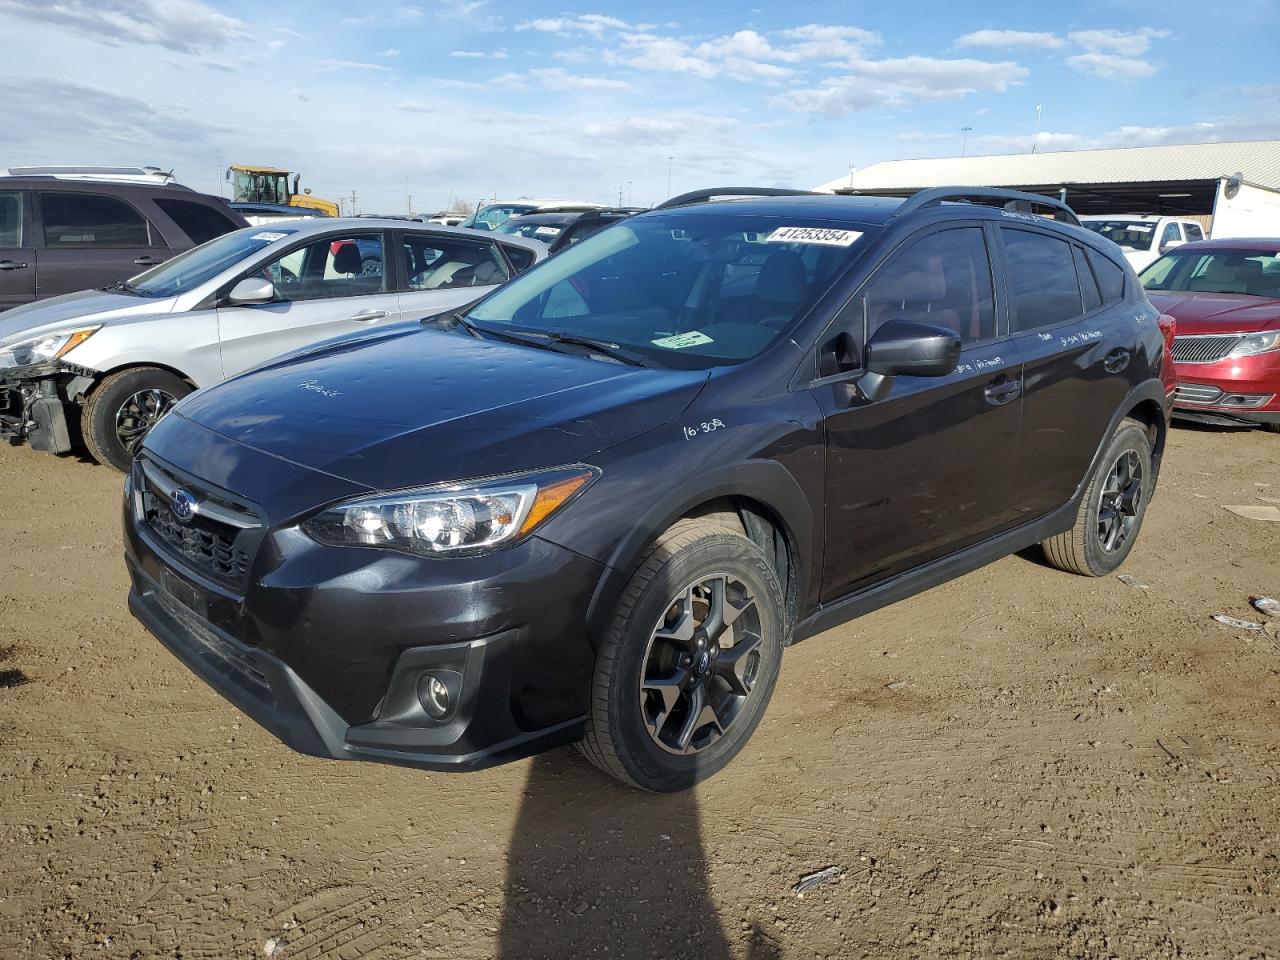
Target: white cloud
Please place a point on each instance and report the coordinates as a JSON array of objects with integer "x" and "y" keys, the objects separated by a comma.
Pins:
[
  {"x": 390, "y": 53},
  {"x": 186, "y": 26},
  {"x": 817, "y": 41},
  {"x": 1117, "y": 41},
  {"x": 903, "y": 80},
  {"x": 353, "y": 65},
  {"x": 559, "y": 80},
  {"x": 479, "y": 54},
  {"x": 594, "y": 24},
  {"x": 1109, "y": 67},
  {"x": 1010, "y": 38}
]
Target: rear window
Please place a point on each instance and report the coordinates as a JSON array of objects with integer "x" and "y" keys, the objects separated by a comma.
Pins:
[
  {"x": 91, "y": 220},
  {"x": 198, "y": 221},
  {"x": 1043, "y": 288}
]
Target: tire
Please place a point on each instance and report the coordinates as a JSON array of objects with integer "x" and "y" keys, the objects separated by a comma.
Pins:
[
  {"x": 1273, "y": 427},
  {"x": 1084, "y": 548},
  {"x": 666, "y": 587},
  {"x": 111, "y": 434}
]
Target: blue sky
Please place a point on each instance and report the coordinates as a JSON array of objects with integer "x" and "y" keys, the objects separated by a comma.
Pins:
[{"x": 428, "y": 99}]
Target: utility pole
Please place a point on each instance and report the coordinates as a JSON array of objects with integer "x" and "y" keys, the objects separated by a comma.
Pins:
[
  {"x": 1035, "y": 142},
  {"x": 409, "y": 205},
  {"x": 964, "y": 142},
  {"x": 669, "y": 159},
  {"x": 619, "y": 194},
  {"x": 628, "y": 193},
  {"x": 218, "y": 161},
  {"x": 353, "y": 204}
]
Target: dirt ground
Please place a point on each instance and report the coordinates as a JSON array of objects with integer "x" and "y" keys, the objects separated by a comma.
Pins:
[{"x": 1022, "y": 763}]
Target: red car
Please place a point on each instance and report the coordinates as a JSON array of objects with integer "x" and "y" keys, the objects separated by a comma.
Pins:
[{"x": 1225, "y": 297}]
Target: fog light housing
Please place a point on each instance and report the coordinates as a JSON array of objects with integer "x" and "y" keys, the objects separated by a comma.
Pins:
[{"x": 438, "y": 694}]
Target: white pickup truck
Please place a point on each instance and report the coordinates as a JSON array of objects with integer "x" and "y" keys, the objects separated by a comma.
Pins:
[{"x": 1143, "y": 238}]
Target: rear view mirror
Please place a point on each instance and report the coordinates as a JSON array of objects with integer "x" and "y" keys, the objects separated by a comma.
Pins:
[{"x": 252, "y": 290}]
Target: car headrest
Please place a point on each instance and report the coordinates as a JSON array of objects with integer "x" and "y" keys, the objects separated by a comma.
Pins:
[
  {"x": 782, "y": 278},
  {"x": 347, "y": 259}
]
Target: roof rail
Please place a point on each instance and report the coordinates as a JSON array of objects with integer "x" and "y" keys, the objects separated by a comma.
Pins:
[
  {"x": 698, "y": 196},
  {"x": 152, "y": 175},
  {"x": 1013, "y": 200}
]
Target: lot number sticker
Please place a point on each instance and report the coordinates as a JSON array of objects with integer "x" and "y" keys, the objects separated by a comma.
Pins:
[
  {"x": 269, "y": 237},
  {"x": 830, "y": 238},
  {"x": 681, "y": 340}
]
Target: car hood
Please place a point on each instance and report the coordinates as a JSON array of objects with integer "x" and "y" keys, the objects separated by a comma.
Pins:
[
  {"x": 84, "y": 307},
  {"x": 419, "y": 406},
  {"x": 1217, "y": 312}
]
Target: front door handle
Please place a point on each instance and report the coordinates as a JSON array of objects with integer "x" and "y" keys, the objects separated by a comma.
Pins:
[
  {"x": 1116, "y": 360},
  {"x": 1001, "y": 390},
  {"x": 368, "y": 316},
  {"x": 12, "y": 265},
  {"x": 148, "y": 261}
]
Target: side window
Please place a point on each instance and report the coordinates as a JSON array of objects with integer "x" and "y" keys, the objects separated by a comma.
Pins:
[
  {"x": 1193, "y": 231},
  {"x": 443, "y": 263},
  {"x": 1043, "y": 289},
  {"x": 329, "y": 268},
  {"x": 521, "y": 259},
  {"x": 943, "y": 278},
  {"x": 10, "y": 220},
  {"x": 1110, "y": 276},
  {"x": 198, "y": 221},
  {"x": 74, "y": 220},
  {"x": 1088, "y": 285}
]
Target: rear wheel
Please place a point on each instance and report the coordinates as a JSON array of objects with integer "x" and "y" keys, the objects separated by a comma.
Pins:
[
  {"x": 1111, "y": 510},
  {"x": 123, "y": 408},
  {"x": 689, "y": 662}
]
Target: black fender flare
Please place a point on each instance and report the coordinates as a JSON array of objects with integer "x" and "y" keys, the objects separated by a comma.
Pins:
[
  {"x": 765, "y": 481},
  {"x": 1148, "y": 390}
]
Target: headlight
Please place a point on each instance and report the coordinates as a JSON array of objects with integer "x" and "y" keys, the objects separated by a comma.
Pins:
[
  {"x": 1254, "y": 343},
  {"x": 465, "y": 518},
  {"x": 49, "y": 346}
]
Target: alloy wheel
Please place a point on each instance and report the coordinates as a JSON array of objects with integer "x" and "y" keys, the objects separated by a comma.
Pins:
[
  {"x": 138, "y": 414},
  {"x": 701, "y": 664},
  {"x": 1120, "y": 502}
]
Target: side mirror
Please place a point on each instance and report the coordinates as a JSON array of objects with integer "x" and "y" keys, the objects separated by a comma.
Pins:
[
  {"x": 910, "y": 348},
  {"x": 252, "y": 290},
  {"x": 1170, "y": 244}
]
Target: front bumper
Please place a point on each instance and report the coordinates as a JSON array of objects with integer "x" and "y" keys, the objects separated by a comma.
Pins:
[
  {"x": 32, "y": 409},
  {"x": 1240, "y": 391},
  {"x": 325, "y": 646}
]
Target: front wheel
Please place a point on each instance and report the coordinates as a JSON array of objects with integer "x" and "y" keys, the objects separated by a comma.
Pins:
[
  {"x": 1112, "y": 508},
  {"x": 123, "y": 408},
  {"x": 689, "y": 661}
]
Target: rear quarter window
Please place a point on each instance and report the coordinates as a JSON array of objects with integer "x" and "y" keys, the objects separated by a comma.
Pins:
[
  {"x": 1110, "y": 276},
  {"x": 520, "y": 258},
  {"x": 198, "y": 221}
]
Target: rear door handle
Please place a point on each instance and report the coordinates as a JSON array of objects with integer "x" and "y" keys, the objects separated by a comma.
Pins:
[
  {"x": 368, "y": 316},
  {"x": 12, "y": 265},
  {"x": 1002, "y": 390},
  {"x": 1116, "y": 361},
  {"x": 148, "y": 261}
]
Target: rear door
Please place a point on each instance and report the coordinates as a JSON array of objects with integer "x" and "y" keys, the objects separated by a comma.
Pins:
[
  {"x": 1075, "y": 333},
  {"x": 441, "y": 272},
  {"x": 17, "y": 250},
  {"x": 92, "y": 240},
  {"x": 325, "y": 287},
  {"x": 930, "y": 468}
]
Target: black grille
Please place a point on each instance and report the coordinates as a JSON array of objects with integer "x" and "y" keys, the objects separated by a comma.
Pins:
[
  {"x": 1202, "y": 349},
  {"x": 218, "y": 549}
]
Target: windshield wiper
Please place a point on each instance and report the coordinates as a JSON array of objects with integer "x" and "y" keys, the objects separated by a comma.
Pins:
[
  {"x": 124, "y": 286},
  {"x": 611, "y": 350},
  {"x": 456, "y": 319}
]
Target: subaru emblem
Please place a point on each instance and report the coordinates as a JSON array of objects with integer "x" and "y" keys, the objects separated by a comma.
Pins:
[{"x": 184, "y": 506}]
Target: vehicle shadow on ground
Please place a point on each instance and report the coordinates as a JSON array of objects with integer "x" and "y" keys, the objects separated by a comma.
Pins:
[{"x": 597, "y": 869}]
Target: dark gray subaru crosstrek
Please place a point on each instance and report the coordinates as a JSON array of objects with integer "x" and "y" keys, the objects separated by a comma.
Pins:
[{"x": 596, "y": 505}]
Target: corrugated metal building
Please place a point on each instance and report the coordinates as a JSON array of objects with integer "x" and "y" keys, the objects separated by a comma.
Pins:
[{"x": 1181, "y": 180}]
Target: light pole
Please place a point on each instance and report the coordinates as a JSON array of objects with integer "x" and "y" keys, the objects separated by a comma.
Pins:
[
  {"x": 669, "y": 159},
  {"x": 1035, "y": 142},
  {"x": 964, "y": 141}
]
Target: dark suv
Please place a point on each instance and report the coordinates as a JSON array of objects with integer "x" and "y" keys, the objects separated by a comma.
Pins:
[
  {"x": 59, "y": 235},
  {"x": 597, "y": 504}
]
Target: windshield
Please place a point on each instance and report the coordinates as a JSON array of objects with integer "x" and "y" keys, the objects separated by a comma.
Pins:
[
  {"x": 1252, "y": 273},
  {"x": 494, "y": 215},
  {"x": 1132, "y": 234},
  {"x": 689, "y": 290},
  {"x": 188, "y": 270}
]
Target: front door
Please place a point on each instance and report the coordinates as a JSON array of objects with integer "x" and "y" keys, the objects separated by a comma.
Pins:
[
  {"x": 325, "y": 288},
  {"x": 17, "y": 251},
  {"x": 931, "y": 467},
  {"x": 92, "y": 240}
]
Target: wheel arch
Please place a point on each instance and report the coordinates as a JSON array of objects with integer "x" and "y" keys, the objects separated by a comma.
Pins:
[
  {"x": 768, "y": 502},
  {"x": 86, "y": 382}
]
